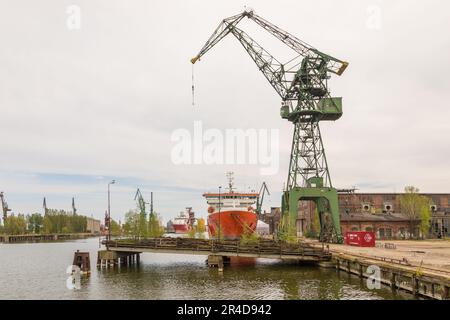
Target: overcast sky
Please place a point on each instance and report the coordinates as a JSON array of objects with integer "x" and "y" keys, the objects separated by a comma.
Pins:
[{"x": 79, "y": 107}]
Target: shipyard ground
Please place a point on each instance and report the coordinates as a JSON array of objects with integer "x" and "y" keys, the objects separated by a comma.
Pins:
[
  {"x": 434, "y": 255},
  {"x": 419, "y": 267}
]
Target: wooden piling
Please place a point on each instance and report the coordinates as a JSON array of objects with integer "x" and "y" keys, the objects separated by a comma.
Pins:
[
  {"x": 393, "y": 280},
  {"x": 445, "y": 293},
  {"x": 215, "y": 261},
  {"x": 398, "y": 277}
]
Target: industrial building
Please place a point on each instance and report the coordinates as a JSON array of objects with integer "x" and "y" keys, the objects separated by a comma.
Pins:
[
  {"x": 377, "y": 212},
  {"x": 92, "y": 226}
]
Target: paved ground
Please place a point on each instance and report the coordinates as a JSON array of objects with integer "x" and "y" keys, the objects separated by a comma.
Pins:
[{"x": 434, "y": 254}]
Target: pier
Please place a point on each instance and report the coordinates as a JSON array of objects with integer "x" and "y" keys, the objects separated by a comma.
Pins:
[
  {"x": 110, "y": 259},
  {"x": 415, "y": 280},
  {"x": 267, "y": 249},
  {"x": 418, "y": 267},
  {"x": 42, "y": 237}
]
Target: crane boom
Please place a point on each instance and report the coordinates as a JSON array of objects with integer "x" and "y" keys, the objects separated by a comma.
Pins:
[
  {"x": 221, "y": 31},
  {"x": 302, "y": 48},
  {"x": 227, "y": 25},
  {"x": 288, "y": 79},
  {"x": 271, "y": 68}
]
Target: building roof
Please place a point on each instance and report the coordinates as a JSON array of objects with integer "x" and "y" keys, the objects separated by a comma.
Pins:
[
  {"x": 345, "y": 192},
  {"x": 386, "y": 217}
]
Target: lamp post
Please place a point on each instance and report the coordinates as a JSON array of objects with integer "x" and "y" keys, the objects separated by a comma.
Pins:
[
  {"x": 220, "y": 205},
  {"x": 109, "y": 210}
]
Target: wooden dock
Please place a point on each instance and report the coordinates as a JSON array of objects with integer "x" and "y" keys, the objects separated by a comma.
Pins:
[
  {"x": 42, "y": 237},
  {"x": 417, "y": 281},
  {"x": 267, "y": 249}
]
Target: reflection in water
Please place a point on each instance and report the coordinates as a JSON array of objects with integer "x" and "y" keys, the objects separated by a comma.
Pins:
[{"x": 38, "y": 271}]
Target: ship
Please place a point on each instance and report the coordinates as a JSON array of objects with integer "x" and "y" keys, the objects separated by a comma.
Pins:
[
  {"x": 184, "y": 221},
  {"x": 231, "y": 214}
]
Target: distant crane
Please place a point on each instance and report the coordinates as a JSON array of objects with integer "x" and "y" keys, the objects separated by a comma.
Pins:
[
  {"x": 5, "y": 207},
  {"x": 260, "y": 199},
  {"x": 44, "y": 205},
  {"x": 141, "y": 203},
  {"x": 143, "y": 213},
  {"x": 302, "y": 84},
  {"x": 74, "y": 209},
  {"x": 151, "y": 203}
]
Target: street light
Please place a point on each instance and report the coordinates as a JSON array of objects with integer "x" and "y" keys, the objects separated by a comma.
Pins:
[
  {"x": 109, "y": 210},
  {"x": 220, "y": 205}
]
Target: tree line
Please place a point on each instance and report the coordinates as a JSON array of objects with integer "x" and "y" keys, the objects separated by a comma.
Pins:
[
  {"x": 139, "y": 225},
  {"x": 54, "y": 221}
]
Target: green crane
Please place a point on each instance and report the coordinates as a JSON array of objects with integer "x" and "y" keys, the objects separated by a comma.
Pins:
[
  {"x": 44, "y": 205},
  {"x": 143, "y": 228},
  {"x": 260, "y": 199},
  {"x": 5, "y": 207},
  {"x": 141, "y": 203},
  {"x": 74, "y": 209},
  {"x": 302, "y": 84}
]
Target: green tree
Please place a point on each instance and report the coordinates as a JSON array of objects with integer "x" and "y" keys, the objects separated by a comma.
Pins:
[
  {"x": 192, "y": 232},
  {"x": 115, "y": 229},
  {"x": 15, "y": 225},
  {"x": 143, "y": 226},
  {"x": 48, "y": 225},
  {"x": 60, "y": 221},
  {"x": 417, "y": 208},
  {"x": 155, "y": 229},
  {"x": 425, "y": 217},
  {"x": 35, "y": 223},
  {"x": 249, "y": 236},
  {"x": 131, "y": 226},
  {"x": 75, "y": 223},
  {"x": 287, "y": 231}
]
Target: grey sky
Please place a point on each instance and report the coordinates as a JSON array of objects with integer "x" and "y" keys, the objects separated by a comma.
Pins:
[{"x": 80, "y": 107}]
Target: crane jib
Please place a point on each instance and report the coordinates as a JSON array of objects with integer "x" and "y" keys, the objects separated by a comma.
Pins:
[{"x": 334, "y": 65}]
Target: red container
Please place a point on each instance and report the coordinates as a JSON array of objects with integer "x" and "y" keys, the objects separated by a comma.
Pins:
[{"x": 360, "y": 239}]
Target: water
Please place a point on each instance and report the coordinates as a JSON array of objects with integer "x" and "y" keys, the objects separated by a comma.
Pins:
[{"x": 38, "y": 271}]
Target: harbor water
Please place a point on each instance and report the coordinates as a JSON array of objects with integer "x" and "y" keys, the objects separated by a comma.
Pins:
[{"x": 38, "y": 271}]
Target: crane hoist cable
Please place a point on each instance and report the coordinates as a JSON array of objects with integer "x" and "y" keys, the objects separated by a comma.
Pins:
[{"x": 193, "y": 87}]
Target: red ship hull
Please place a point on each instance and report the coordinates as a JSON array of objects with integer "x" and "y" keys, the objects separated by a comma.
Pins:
[
  {"x": 232, "y": 224},
  {"x": 180, "y": 228}
]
